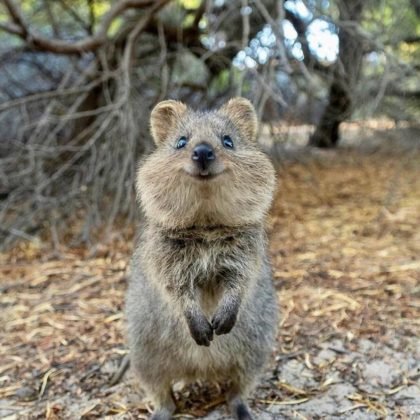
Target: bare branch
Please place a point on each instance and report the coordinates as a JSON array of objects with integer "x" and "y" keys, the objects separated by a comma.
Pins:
[
  {"x": 53, "y": 22},
  {"x": 11, "y": 28},
  {"x": 245, "y": 40},
  {"x": 90, "y": 43},
  {"x": 163, "y": 63},
  {"x": 278, "y": 31},
  {"x": 132, "y": 38},
  {"x": 53, "y": 94}
]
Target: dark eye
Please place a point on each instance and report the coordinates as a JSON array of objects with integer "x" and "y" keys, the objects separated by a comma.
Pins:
[
  {"x": 182, "y": 142},
  {"x": 227, "y": 142}
]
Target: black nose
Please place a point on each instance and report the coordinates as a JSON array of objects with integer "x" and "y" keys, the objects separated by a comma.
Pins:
[{"x": 203, "y": 154}]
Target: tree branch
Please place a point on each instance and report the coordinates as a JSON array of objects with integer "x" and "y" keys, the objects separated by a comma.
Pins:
[
  {"x": 301, "y": 27},
  {"x": 90, "y": 43},
  {"x": 414, "y": 39},
  {"x": 11, "y": 28}
]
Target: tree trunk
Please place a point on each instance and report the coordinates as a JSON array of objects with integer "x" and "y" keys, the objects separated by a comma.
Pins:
[{"x": 346, "y": 74}]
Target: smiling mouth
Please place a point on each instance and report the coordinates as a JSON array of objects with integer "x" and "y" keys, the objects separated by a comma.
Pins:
[{"x": 204, "y": 175}]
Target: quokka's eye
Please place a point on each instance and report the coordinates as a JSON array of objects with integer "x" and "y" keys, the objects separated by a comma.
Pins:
[
  {"x": 182, "y": 142},
  {"x": 227, "y": 142}
]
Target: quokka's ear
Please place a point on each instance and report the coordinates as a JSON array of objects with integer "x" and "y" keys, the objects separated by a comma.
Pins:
[
  {"x": 163, "y": 119},
  {"x": 242, "y": 113}
]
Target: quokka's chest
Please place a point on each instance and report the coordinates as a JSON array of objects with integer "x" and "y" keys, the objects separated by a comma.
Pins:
[
  {"x": 199, "y": 261},
  {"x": 206, "y": 268},
  {"x": 203, "y": 261}
]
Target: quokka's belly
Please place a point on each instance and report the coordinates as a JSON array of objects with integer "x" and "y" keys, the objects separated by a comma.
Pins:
[
  {"x": 218, "y": 362},
  {"x": 159, "y": 334},
  {"x": 226, "y": 354}
]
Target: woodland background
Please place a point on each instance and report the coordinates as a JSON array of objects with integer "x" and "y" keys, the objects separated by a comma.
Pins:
[
  {"x": 336, "y": 85},
  {"x": 79, "y": 78}
]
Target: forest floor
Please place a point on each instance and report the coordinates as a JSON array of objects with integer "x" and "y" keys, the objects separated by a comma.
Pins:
[{"x": 345, "y": 247}]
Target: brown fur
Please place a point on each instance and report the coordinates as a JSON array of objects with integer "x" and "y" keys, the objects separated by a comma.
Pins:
[{"x": 201, "y": 265}]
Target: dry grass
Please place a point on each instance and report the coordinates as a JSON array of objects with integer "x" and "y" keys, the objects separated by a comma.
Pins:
[{"x": 345, "y": 245}]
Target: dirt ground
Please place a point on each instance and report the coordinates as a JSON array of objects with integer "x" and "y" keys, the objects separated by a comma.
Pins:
[{"x": 345, "y": 246}]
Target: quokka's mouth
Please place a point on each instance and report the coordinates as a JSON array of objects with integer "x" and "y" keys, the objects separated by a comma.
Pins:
[{"x": 204, "y": 175}]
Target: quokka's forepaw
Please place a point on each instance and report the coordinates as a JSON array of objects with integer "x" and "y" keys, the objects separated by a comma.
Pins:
[
  {"x": 223, "y": 321},
  {"x": 202, "y": 334},
  {"x": 200, "y": 329}
]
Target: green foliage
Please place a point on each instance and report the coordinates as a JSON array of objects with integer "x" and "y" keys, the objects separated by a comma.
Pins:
[
  {"x": 390, "y": 21},
  {"x": 190, "y": 4}
]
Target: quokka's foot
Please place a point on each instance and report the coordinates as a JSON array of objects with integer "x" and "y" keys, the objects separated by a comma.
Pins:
[
  {"x": 164, "y": 405},
  {"x": 161, "y": 415},
  {"x": 242, "y": 412},
  {"x": 240, "y": 409}
]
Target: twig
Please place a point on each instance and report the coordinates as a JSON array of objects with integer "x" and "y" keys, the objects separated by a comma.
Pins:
[
  {"x": 54, "y": 93},
  {"x": 117, "y": 376}
]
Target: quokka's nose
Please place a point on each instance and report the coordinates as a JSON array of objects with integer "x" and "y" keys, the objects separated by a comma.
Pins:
[{"x": 203, "y": 154}]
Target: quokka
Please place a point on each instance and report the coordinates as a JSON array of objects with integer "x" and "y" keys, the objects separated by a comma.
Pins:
[{"x": 200, "y": 302}]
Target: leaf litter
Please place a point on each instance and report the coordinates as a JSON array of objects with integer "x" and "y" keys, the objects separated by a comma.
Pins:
[{"x": 345, "y": 246}]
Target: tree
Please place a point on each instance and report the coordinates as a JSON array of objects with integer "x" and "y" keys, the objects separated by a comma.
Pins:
[
  {"x": 78, "y": 80},
  {"x": 345, "y": 77},
  {"x": 86, "y": 129}
]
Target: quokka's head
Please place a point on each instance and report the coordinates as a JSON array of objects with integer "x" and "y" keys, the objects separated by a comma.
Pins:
[{"x": 207, "y": 168}]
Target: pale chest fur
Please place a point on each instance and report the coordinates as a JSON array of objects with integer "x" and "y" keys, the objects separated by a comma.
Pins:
[{"x": 202, "y": 261}]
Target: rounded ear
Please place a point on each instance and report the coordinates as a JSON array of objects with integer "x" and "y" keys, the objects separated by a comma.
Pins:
[
  {"x": 242, "y": 114},
  {"x": 163, "y": 119}
]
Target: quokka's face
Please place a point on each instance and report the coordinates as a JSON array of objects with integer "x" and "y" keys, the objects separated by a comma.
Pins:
[
  {"x": 204, "y": 149},
  {"x": 207, "y": 168}
]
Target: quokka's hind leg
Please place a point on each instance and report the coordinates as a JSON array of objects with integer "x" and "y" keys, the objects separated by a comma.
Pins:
[
  {"x": 236, "y": 399},
  {"x": 163, "y": 403},
  {"x": 155, "y": 382}
]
